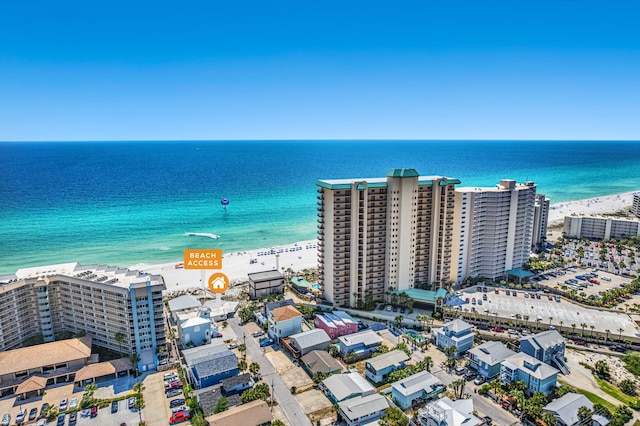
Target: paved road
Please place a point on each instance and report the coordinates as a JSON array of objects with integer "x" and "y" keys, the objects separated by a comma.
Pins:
[{"x": 287, "y": 402}]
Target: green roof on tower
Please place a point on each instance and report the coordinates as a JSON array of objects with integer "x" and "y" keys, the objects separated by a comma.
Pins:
[{"x": 403, "y": 173}]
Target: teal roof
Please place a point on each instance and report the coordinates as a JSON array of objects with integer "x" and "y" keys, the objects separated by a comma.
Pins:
[
  {"x": 300, "y": 282},
  {"x": 424, "y": 295},
  {"x": 520, "y": 273},
  {"x": 403, "y": 173}
]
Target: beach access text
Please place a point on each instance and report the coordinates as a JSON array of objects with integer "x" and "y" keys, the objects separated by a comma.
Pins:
[{"x": 203, "y": 259}]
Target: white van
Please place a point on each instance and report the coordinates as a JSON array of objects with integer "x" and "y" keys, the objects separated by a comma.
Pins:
[{"x": 605, "y": 279}]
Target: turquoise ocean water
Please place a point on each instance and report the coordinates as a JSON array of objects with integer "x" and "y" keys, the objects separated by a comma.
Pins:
[{"x": 123, "y": 203}]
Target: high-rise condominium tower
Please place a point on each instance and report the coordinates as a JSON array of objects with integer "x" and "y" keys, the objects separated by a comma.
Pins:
[
  {"x": 494, "y": 229},
  {"x": 384, "y": 233}
]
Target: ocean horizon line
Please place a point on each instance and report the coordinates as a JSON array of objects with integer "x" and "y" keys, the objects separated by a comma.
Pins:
[{"x": 318, "y": 140}]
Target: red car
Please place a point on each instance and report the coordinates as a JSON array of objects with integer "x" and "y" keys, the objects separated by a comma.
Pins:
[
  {"x": 497, "y": 329},
  {"x": 179, "y": 417},
  {"x": 94, "y": 411}
]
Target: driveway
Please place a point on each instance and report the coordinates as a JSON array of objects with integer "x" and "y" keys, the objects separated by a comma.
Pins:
[{"x": 289, "y": 405}]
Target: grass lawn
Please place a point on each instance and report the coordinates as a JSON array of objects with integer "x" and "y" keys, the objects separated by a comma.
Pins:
[
  {"x": 609, "y": 389},
  {"x": 593, "y": 397}
]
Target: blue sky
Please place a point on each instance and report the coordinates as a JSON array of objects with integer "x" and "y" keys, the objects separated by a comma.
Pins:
[{"x": 508, "y": 69}]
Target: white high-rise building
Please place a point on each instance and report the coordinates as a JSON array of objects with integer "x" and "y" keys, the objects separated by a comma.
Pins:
[
  {"x": 494, "y": 229},
  {"x": 635, "y": 207},
  {"x": 540, "y": 220},
  {"x": 382, "y": 233}
]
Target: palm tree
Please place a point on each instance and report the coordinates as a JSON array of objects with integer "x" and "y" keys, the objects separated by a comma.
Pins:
[
  {"x": 607, "y": 336},
  {"x": 428, "y": 363},
  {"x": 583, "y": 325},
  {"x": 550, "y": 319},
  {"x": 573, "y": 327},
  {"x": 526, "y": 320},
  {"x": 592, "y": 327},
  {"x": 561, "y": 323},
  {"x": 254, "y": 368},
  {"x": 135, "y": 359},
  {"x": 119, "y": 337},
  {"x": 620, "y": 330},
  {"x": 398, "y": 319}
]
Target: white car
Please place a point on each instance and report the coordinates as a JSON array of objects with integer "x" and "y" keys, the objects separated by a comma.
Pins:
[
  {"x": 63, "y": 405},
  {"x": 73, "y": 403},
  {"x": 232, "y": 346}
]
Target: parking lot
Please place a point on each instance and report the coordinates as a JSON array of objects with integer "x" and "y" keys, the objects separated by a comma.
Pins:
[{"x": 547, "y": 312}]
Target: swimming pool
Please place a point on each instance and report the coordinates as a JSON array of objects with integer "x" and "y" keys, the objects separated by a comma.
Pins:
[{"x": 316, "y": 287}]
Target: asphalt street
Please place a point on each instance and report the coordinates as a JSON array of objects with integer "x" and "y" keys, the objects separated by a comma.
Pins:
[{"x": 289, "y": 405}]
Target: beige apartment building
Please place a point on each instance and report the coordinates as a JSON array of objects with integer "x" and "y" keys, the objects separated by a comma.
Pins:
[
  {"x": 601, "y": 227},
  {"x": 385, "y": 233},
  {"x": 120, "y": 309},
  {"x": 493, "y": 229},
  {"x": 540, "y": 220}
]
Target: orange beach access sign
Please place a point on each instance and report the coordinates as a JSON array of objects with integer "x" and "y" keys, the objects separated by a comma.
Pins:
[{"x": 203, "y": 259}]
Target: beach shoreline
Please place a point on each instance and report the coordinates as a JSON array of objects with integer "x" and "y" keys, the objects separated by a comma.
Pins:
[{"x": 303, "y": 254}]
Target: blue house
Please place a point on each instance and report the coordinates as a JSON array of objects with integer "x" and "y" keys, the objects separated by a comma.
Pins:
[
  {"x": 548, "y": 347},
  {"x": 362, "y": 343},
  {"x": 208, "y": 365},
  {"x": 455, "y": 333},
  {"x": 538, "y": 376},
  {"x": 421, "y": 386},
  {"x": 195, "y": 328},
  {"x": 377, "y": 369},
  {"x": 487, "y": 358}
]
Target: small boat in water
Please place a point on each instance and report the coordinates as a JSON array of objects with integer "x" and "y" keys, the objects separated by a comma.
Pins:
[{"x": 202, "y": 234}]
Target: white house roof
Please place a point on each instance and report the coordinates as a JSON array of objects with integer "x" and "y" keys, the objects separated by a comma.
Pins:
[
  {"x": 394, "y": 357},
  {"x": 361, "y": 406},
  {"x": 183, "y": 302},
  {"x": 451, "y": 413},
  {"x": 416, "y": 383},
  {"x": 366, "y": 337},
  {"x": 545, "y": 340},
  {"x": 456, "y": 325},
  {"x": 311, "y": 338},
  {"x": 344, "y": 385},
  {"x": 195, "y": 321},
  {"x": 491, "y": 353},
  {"x": 530, "y": 365},
  {"x": 566, "y": 407}
]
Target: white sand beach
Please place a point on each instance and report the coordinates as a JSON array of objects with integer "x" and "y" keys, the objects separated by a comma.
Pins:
[
  {"x": 301, "y": 255},
  {"x": 590, "y": 206},
  {"x": 237, "y": 266}
]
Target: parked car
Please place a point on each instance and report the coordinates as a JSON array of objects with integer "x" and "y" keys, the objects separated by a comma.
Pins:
[
  {"x": 217, "y": 335},
  {"x": 73, "y": 403},
  {"x": 266, "y": 342},
  {"x": 6, "y": 420},
  {"x": 479, "y": 380},
  {"x": 232, "y": 346},
  {"x": 73, "y": 417},
  {"x": 258, "y": 333},
  {"x": 470, "y": 375},
  {"x": 94, "y": 411},
  {"x": 61, "y": 418},
  {"x": 131, "y": 402},
  {"x": 114, "y": 407},
  {"x": 33, "y": 413},
  {"x": 497, "y": 329},
  {"x": 63, "y": 405},
  {"x": 388, "y": 308},
  {"x": 43, "y": 409},
  {"x": 176, "y": 402},
  {"x": 179, "y": 417},
  {"x": 169, "y": 376},
  {"x": 460, "y": 370},
  {"x": 173, "y": 392},
  {"x": 21, "y": 415}
]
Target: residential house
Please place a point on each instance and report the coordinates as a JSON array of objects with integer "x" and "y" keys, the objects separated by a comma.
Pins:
[
  {"x": 377, "y": 369},
  {"x": 220, "y": 309},
  {"x": 340, "y": 387},
  {"x": 208, "y": 398},
  {"x": 419, "y": 387},
  {"x": 236, "y": 384},
  {"x": 336, "y": 324},
  {"x": 183, "y": 305},
  {"x": 262, "y": 284},
  {"x": 565, "y": 410},
  {"x": 487, "y": 358},
  {"x": 208, "y": 365},
  {"x": 195, "y": 328},
  {"x": 302, "y": 343},
  {"x": 548, "y": 347},
  {"x": 456, "y": 333},
  {"x": 283, "y": 322},
  {"x": 254, "y": 413},
  {"x": 363, "y": 410},
  {"x": 320, "y": 362},
  {"x": 445, "y": 412},
  {"x": 361, "y": 343},
  {"x": 538, "y": 376}
]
